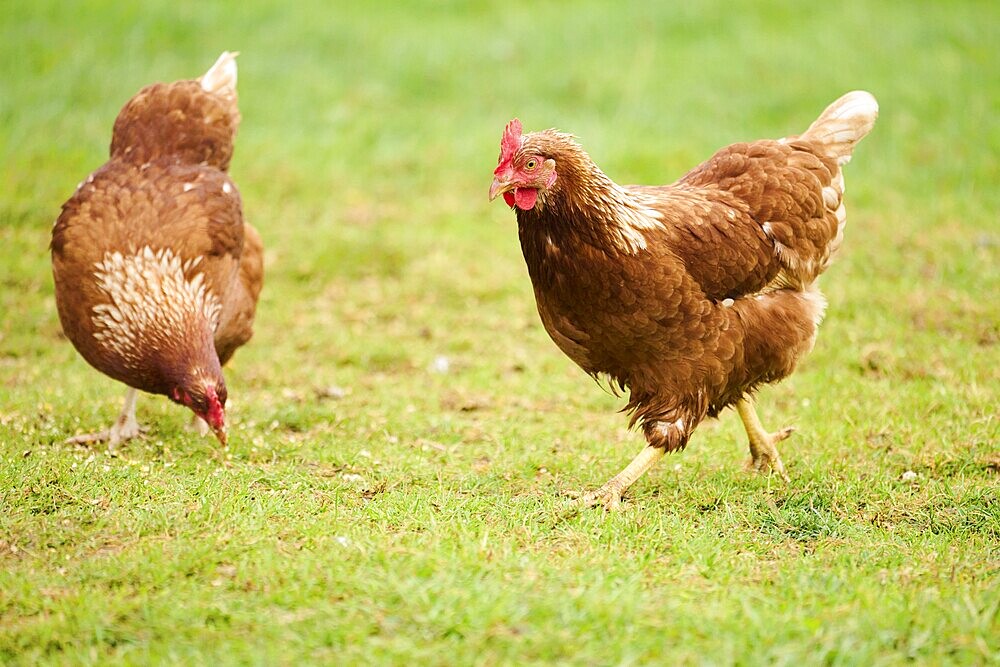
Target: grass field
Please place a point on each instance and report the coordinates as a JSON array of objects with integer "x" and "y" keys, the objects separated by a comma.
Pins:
[{"x": 402, "y": 425}]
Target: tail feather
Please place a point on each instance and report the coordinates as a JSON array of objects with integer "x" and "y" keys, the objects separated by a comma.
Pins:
[
  {"x": 221, "y": 77},
  {"x": 843, "y": 124}
]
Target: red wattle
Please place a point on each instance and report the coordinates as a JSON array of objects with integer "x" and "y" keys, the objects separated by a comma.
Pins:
[
  {"x": 525, "y": 198},
  {"x": 509, "y": 198}
]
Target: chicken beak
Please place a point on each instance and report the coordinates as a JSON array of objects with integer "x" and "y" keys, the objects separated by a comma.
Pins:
[
  {"x": 220, "y": 433},
  {"x": 499, "y": 187}
]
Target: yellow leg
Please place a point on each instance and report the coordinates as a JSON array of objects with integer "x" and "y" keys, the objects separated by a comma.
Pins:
[
  {"x": 610, "y": 495},
  {"x": 124, "y": 428},
  {"x": 763, "y": 452}
]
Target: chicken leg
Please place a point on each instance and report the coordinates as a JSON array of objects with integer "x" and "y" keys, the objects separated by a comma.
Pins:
[
  {"x": 125, "y": 427},
  {"x": 763, "y": 452},
  {"x": 610, "y": 495}
]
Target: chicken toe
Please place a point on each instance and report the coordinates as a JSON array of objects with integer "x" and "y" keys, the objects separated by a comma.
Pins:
[
  {"x": 610, "y": 494},
  {"x": 764, "y": 456},
  {"x": 125, "y": 427},
  {"x": 765, "y": 459}
]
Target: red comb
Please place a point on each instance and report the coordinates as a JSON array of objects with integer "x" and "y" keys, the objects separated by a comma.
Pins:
[
  {"x": 216, "y": 415},
  {"x": 510, "y": 143}
]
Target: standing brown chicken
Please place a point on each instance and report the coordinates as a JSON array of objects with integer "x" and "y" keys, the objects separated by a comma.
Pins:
[
  {"x": 689, "y": 295},
  {"x": 156, "y": 274}
]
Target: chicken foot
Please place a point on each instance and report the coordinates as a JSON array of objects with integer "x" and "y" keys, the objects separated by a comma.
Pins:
[
  {"x": 763, "y": 452},
  {"x": 610, "y": 495},
  {"x": 125, "y": 427}
]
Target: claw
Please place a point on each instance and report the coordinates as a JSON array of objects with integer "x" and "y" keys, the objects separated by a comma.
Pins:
[
  {"x": 765, "y": 462},
  {"x": 113, "y": 436},
  {"x": 124, "y": 428},
  {"x": 764, "y": 457},
  {"x": 783, "y": 433},
  {"x": 89, "y": 438},
  {"x": 609, "y": 496}
]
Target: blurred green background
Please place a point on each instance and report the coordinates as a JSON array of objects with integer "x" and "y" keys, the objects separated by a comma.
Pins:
[{"x": 402, "y": 423}]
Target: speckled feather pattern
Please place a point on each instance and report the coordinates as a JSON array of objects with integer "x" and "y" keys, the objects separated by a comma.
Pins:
[
  {"x": 156, "y": 272},
  {"x": 689, "y": 295},
  {"x": 151, "y": 301}
]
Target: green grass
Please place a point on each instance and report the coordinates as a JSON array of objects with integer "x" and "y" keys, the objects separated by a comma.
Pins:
[{"x": 416, "y": 518}]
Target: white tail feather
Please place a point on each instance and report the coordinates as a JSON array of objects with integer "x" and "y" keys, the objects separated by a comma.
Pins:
[
  {"x": 221, "y": 77},
  {"x": 843, "y": 124}
]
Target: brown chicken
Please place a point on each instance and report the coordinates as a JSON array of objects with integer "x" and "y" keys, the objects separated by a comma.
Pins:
[
  {"x": 689, "y": 295},
  {"x": 156, "y": 274}
]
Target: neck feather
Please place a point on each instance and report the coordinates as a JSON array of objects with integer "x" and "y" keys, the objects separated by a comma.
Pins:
[
  {"x": 159, "y": 316},
  {"x": 584, "y": 201}
]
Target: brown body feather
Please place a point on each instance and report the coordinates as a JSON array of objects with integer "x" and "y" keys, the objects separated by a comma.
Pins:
[
  {"x": 689, "y": 295},
  {"x": 156, "y": 273}
]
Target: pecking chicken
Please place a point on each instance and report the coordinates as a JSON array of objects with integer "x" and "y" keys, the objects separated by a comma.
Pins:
[
  {"x": 690, "y": 295},
  {"x": 156, "y": 274}
]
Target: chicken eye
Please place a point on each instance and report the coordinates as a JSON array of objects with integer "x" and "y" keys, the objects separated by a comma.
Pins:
[{"x": 531, "y": 164}]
